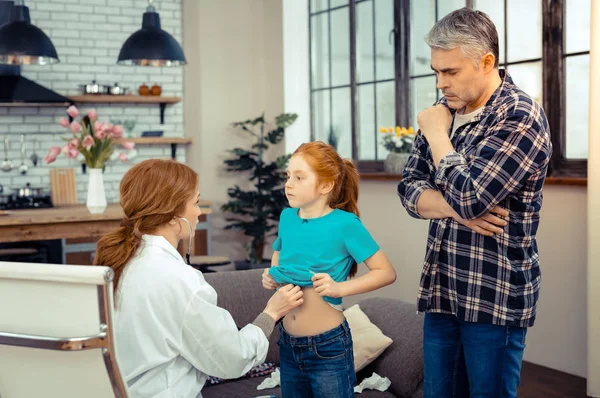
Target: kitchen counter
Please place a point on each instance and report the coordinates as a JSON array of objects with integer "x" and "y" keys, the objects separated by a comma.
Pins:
[{"x": 63, "y": 222}]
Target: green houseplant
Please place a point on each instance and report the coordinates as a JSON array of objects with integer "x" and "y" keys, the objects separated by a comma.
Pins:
[{"x": 256, "y": 211}]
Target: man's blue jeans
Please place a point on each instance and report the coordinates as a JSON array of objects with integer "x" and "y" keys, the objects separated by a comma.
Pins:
[
  {"x": 320, "y": 366},
  {"x": 465, "y": 359}
]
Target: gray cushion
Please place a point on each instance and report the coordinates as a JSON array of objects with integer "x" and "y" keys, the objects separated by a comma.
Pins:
[
  {"x": 402, "y": 362},
  {"x": 241, "y": 293}
]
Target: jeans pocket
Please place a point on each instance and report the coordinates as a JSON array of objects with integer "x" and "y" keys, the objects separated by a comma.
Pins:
[{"x": 332, "y": 349}]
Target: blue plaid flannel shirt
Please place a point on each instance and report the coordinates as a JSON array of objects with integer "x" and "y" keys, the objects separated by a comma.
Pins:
[{"x": 501, "y": 158}]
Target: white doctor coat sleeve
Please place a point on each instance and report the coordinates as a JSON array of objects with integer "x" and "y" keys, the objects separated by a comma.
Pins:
[{"x": 212, "y": 343}]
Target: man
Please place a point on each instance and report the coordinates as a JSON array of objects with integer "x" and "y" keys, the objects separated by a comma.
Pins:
[{"x": 477, "y": 171}]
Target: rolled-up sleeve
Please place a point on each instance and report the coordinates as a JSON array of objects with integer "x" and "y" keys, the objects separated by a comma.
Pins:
[
  {"x": 212, "y": 343},
  {"x": 416, "y": 177},
  {"x": 515, "y": 148}
]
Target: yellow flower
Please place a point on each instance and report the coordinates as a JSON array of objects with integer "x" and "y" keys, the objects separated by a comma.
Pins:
[
  {"x": 404, "y": 131},
  {"x": 382, "y": 130},
  {"x": 397, "y": 130},
  {"x": 411, "y": 131},
  {"x": 391, "y": 130}
]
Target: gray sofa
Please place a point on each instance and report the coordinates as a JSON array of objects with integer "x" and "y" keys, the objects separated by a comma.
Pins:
[{"x": 241, "y": 293}]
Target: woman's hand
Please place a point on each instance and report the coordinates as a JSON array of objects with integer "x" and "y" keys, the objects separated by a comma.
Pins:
[
  {"x": 283, "y": 301},
  {"x": 267, "y": 280},
  {"x": 325, "y": 286}
]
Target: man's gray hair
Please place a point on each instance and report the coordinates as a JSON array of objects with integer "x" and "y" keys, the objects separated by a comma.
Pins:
[{"x": 472, "y": 31}]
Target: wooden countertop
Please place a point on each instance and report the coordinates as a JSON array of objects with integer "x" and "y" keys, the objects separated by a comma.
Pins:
[{"x": 68, "y": 214}]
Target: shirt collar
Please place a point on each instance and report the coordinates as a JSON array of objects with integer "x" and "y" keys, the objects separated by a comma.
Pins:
[
  {"x": 163, "y": 243},
  {"x": 495, "y": 100}
]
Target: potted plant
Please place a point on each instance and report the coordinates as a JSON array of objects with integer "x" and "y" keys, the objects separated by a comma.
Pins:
[
  {"x": 256, "y": 211},
  {"x": 399, "y": 142}
]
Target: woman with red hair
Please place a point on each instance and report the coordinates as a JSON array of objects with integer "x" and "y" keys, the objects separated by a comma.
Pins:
[{"x": 170, "y": 333}]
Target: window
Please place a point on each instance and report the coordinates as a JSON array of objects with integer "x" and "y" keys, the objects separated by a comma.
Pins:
[
  {"x": 569, "y": 51},
  {"x": 330, "y": 74},
  {"x": 370, "y": 67}
]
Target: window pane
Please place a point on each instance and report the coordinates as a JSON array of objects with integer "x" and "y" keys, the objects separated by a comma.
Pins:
[
  {"x": 445, "y": 7},
  {"x": 340, "y": 47},
  {"x": 529, "y": 78},
  {"x": 495, "y": 10},
  {"x": 577, "y": 84},
  {"x": 367, "y": 129},
  {"x": 423, "y": 95},
  {"x": 577, "y": 25},
  {"x": 364, "y": 42},
  {"x": 321, "y": 115},
  {"x": 318, "y": 5},
  {"x": 319, "y": 36},
  {"x": 524, "y": 20},
  {"x": 386, "y": 111},
  {"x": 422, "y": 18},
  {"x": 342, "y": 121},
  {"x": 337, "y": 3},
  {"x": 384, "y": 43}
]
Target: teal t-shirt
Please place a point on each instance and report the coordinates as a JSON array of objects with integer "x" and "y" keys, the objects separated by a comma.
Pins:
[{"x": 329, "y": 244}]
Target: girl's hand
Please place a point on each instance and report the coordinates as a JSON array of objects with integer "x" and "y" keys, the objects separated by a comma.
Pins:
[
  {"x": 325, "y": 286},
  {"x": 267, "y": 280}
]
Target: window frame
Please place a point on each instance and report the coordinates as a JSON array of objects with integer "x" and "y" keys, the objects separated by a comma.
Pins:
[{"x": 553, "y": 79}]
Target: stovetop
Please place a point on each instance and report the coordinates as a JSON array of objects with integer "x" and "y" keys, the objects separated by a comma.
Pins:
[{"x": 14, "y": 202}]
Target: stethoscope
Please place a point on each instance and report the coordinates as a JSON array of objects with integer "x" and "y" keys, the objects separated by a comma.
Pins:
[{"x": 187, "y": 255}]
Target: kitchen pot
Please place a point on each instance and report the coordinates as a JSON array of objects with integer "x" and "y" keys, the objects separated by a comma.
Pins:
[
  {"x": 94, "y": 88},
  {"x": 27, "y": 191},
  {"x": 116, "y": 90}
]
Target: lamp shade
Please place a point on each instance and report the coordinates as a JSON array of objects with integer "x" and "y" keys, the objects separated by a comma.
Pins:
[
  {"x": 151, "y": 46},
  {"x": 22, "y": 43}
]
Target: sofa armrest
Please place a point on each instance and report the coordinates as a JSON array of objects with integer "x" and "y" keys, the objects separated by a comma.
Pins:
[{"x": 402, "y": 362}]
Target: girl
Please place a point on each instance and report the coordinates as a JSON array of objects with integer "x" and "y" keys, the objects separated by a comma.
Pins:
[
  {"x": 321, "y": 240},
  {"x": 169, "y": 330}
]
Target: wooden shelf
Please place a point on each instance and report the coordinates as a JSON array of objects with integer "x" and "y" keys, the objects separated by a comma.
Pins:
[
  {"x": 174, "y": 141},
  {"x": 381, "y": 176},
  {"x": 156, "y": 140},
  {"x": 34, "y": 104},
  {"x": 127, "y": 99},
  {"x": 123, "y": 99}
]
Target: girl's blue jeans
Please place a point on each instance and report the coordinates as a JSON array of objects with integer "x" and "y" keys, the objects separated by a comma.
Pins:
[{"x": 320, "y": 366}]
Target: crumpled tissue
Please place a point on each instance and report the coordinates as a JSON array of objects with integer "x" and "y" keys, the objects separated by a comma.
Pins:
[
  {"x": 375, "y": 382},
  {"x": 271, "y": 382}
]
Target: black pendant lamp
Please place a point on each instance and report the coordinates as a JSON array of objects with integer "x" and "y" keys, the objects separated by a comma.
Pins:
[
  {"x": 22, "y": 43},
  {"x": 151, "y": 46}
]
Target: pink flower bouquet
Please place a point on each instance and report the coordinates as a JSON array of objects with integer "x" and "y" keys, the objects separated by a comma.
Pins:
[{"x": 91, "y": 139}]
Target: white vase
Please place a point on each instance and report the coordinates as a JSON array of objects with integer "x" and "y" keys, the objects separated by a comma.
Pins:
[
  {"x": 96, "y": 197},
  {"x": 394, "y": 163}
]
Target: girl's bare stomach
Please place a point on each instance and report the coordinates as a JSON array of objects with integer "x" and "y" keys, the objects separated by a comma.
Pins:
[{"x": 313, "y": 317}]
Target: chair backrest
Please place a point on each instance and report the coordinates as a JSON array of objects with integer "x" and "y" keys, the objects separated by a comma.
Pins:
[{"x": 56, "y": 337}]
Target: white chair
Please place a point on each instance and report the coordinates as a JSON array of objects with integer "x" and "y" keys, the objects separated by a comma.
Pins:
[{"x": 56, "y": 336}]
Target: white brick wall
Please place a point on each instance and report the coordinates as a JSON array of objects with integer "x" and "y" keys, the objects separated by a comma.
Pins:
[{"x": 88, "y": 35}]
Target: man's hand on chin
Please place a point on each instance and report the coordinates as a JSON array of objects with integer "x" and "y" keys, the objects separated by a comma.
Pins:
[{"x": 434, "y": 123}]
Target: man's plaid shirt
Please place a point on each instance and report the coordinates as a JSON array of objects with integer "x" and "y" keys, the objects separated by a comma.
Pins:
[{"x": 501, "y": 157}]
